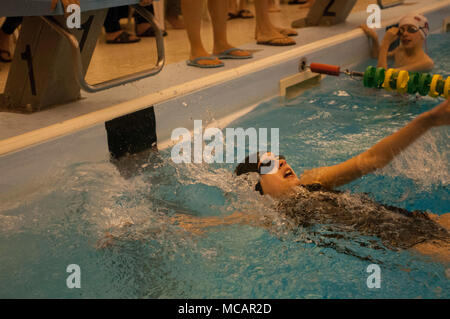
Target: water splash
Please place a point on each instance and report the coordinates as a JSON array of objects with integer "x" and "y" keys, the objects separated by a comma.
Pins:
[{"x": 424, "y": 162}]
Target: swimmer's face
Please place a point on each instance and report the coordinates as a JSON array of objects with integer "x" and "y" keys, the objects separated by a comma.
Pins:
[
  {"x": 281, "y": 181},
  {"x": 410, "y": 36}
]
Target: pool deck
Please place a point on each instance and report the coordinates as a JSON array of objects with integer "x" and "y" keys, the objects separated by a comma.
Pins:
[{"x": 181, "y": 94}]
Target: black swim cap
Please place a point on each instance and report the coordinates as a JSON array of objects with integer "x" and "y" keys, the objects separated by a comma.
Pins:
[{"x": 246, "y": 166}]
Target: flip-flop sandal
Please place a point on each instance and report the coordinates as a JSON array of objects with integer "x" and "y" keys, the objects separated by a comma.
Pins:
[
  {"x": 275, "y": 43},
  {"x": 194, "y": 62},
  {"x": 241, "y": 14},
  {"x": 227, "y": 54},
  {"x": 232, "y": 16},
  {"x": 5, "y": 52},
  {"x": 124, "y": 37},
  {"x": 149, "y": 33}
]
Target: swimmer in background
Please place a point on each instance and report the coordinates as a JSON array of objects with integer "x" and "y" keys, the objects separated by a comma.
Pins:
[
  {"x": 409, "y": 55},
  {"x": 310, "y": 199}
]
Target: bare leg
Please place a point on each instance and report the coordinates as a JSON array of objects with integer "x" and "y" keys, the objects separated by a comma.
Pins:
[
  {"x": 175, "y": 21},
  {"x": 192, "y": 10},
  {"x": 266, "y": 32},
  {"x": 232, "y": 7},
  {"x": 243, "y": 10},
  {"x": 173, "y": 15},
  {"x": 284, "y": 31},
  {"x": 218, "y": 12},
  {"x": 239, "y": 12},
  {"x": 273, "y": 7},
  {"x": 242, "y": 5}
]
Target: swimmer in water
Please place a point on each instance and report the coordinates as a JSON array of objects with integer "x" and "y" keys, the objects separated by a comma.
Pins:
[
  {"x": 309, "y": 199},
  {"x": 409, "y": 55}
]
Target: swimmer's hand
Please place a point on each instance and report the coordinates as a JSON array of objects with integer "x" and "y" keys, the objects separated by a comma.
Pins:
[
  {"x": 370, "y": 32},
  {"x": 440, "y": 115},
  {"x": 390, "y": 36}
]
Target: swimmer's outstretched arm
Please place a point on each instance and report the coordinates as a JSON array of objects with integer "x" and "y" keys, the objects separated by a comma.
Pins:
[
  {"x": 198, "y": 225},
  {"x": 381, "y": 153},
  {"x": 192, "y": 224}
]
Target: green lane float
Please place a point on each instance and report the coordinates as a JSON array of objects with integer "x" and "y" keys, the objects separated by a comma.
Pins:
[
  {"x": 400, "y": 81},
  {"x": 403, "y": 82},
  {"x": 413, "y": 83}
]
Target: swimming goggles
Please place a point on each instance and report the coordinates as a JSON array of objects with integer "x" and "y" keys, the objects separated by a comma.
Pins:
[
  {"x": 268, "y": 164},
  {"x": 410, "y": 29}
]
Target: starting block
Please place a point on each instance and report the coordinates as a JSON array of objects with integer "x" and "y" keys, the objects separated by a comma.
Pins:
[{"x": 326, "y": 13}]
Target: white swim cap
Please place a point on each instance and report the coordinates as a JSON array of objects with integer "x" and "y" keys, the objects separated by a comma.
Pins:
[{"x": 417, "y": 20}]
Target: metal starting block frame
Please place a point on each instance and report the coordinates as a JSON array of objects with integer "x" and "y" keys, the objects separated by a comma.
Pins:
[{"x": 50, "y": 61}]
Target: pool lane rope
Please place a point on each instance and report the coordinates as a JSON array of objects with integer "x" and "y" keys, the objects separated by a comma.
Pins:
[{"x": 393, "y": 80}]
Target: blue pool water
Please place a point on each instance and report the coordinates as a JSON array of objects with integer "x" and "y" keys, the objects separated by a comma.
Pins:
[{"x": 65, "y": 220}]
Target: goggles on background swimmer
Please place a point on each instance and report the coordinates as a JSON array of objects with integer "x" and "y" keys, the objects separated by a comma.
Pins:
[
  {"x": 411, "y": 29},
  {"x": 268, "y": 164}
]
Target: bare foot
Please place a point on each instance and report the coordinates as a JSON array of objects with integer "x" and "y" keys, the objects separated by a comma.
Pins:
[
  {"x": 287, "y": 31},
  {"x": 281, "y": 41},
  {"x": 222, "y": 48},
  {"x": 202, "y": 53},
  {"x": 274, "y": 38},
  {"x": 270, "y": 35},
  {"x": 213, "y": 61}
]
